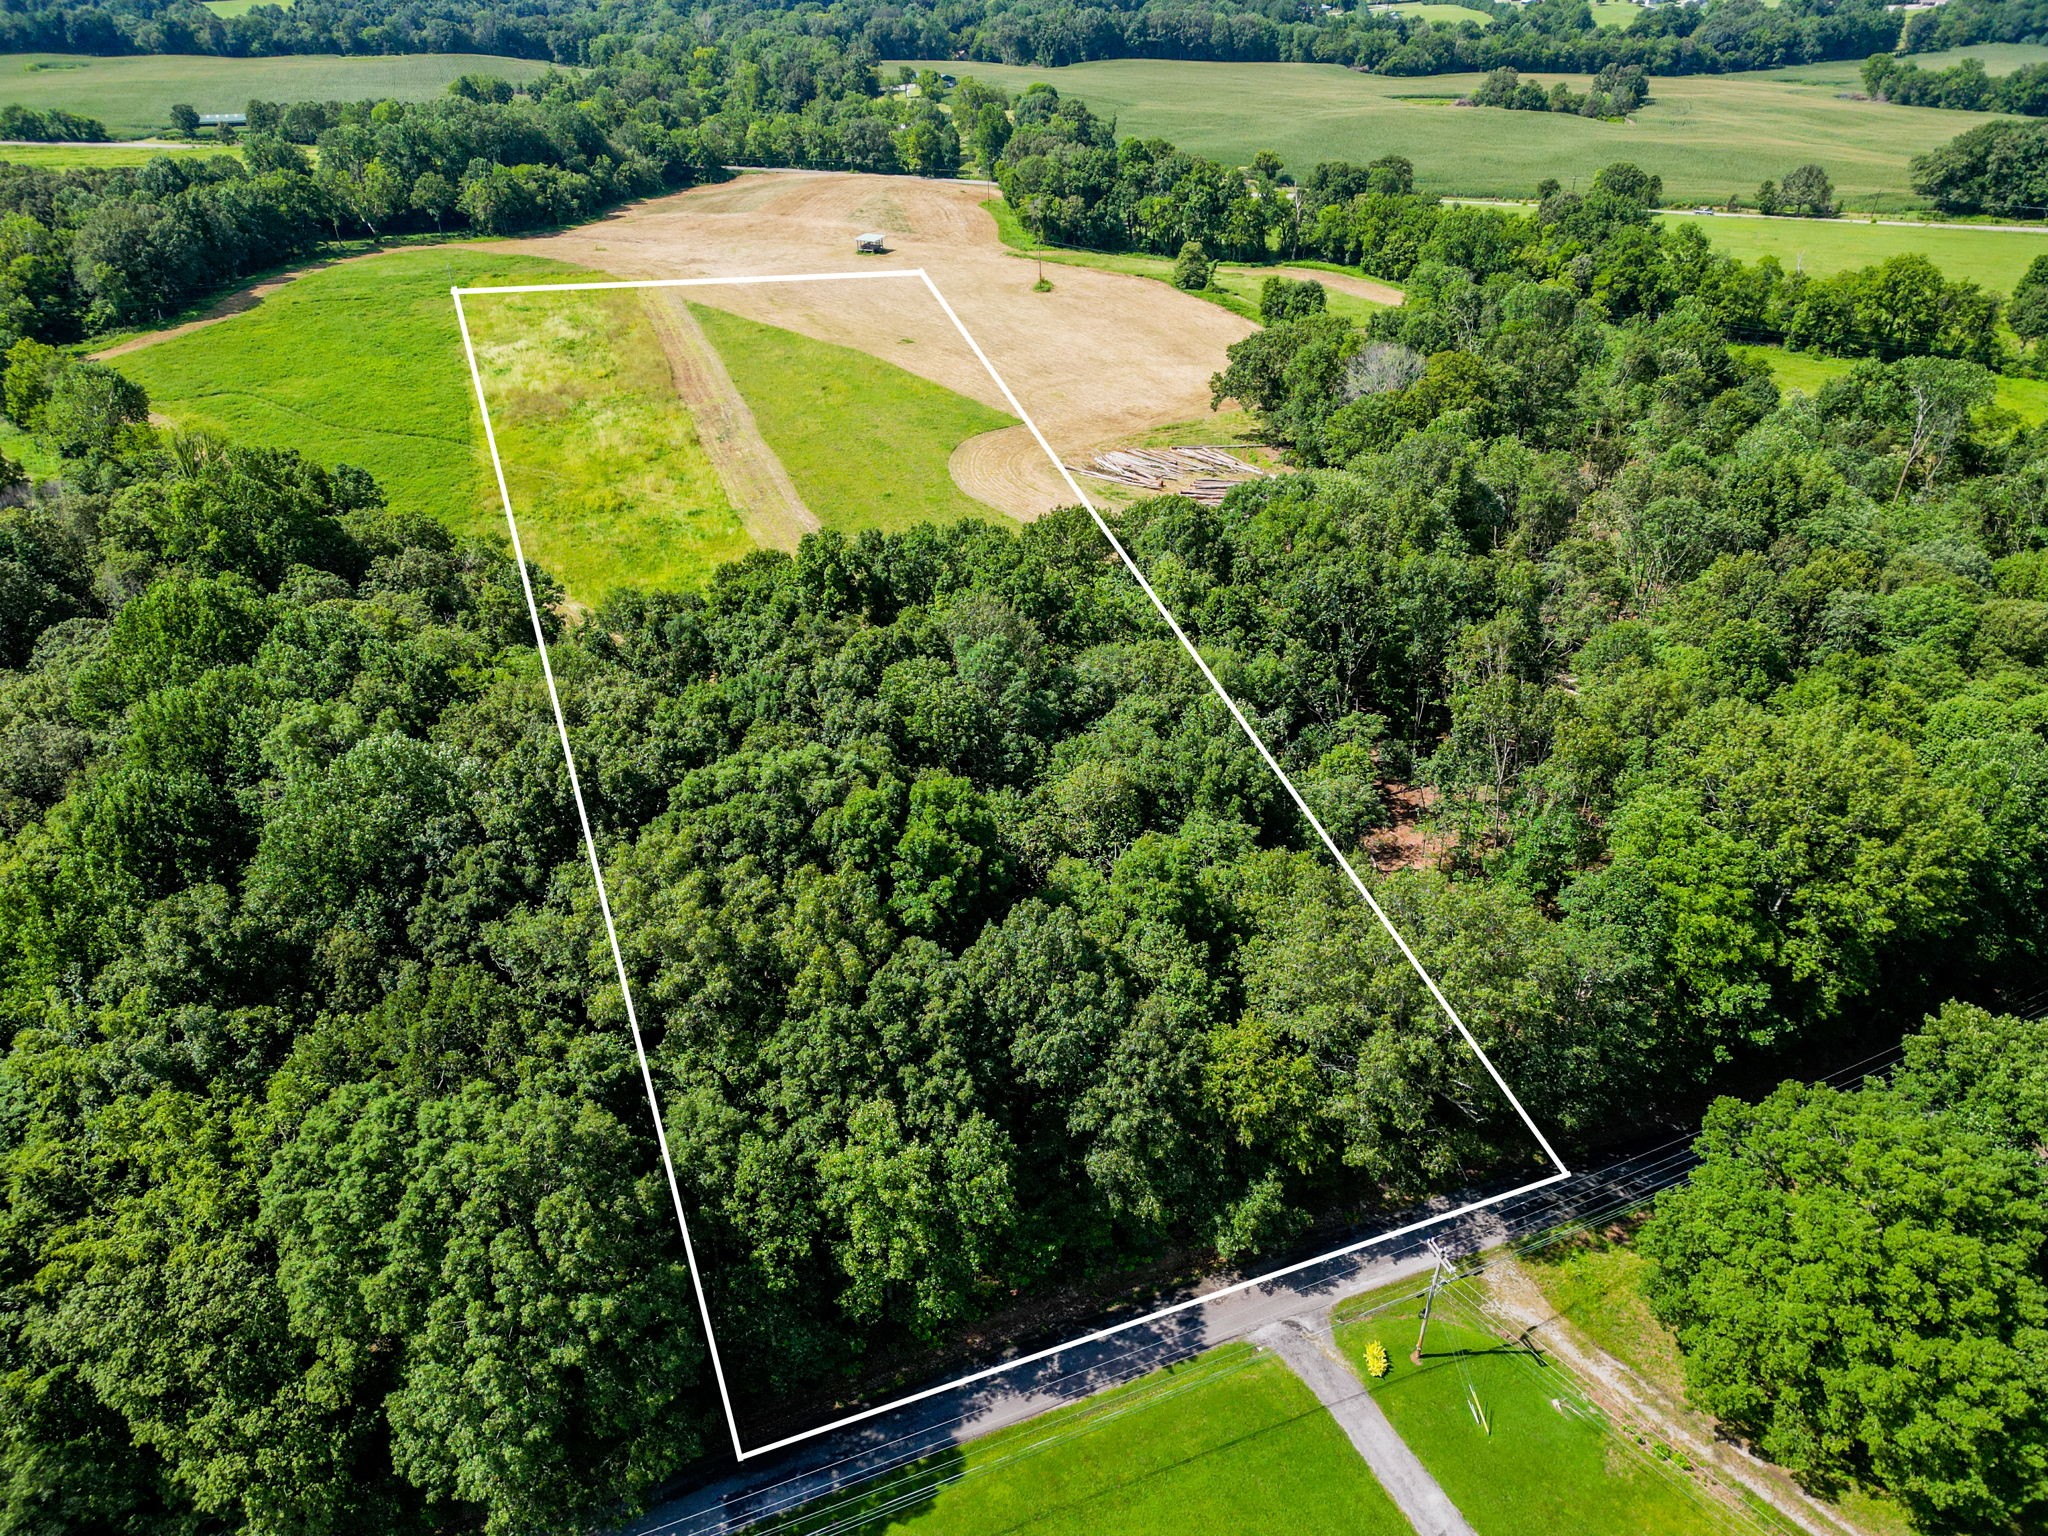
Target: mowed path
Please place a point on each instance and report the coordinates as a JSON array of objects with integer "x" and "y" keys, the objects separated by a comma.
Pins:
[
  {"x": 1098, "y": 360},
  {"x": 755, "y": 481}
]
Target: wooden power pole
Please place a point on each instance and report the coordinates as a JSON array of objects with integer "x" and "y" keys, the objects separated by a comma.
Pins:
[{"x": 1439, "y": 1277}]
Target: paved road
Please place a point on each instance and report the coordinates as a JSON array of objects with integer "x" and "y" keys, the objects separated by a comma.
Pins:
[
  {"x": 1310, "y": 1351},
  {"x": 759, "y": 1489}
]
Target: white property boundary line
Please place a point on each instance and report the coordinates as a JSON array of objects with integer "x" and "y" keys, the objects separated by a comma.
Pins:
[{"x": 740, "y": 1451}]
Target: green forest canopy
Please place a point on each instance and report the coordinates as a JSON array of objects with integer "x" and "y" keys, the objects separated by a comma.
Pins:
[{"x": 974, "y": 949}]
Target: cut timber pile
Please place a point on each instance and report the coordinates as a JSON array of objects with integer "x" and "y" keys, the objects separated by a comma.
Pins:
[{"x": 1203, "y": 475}]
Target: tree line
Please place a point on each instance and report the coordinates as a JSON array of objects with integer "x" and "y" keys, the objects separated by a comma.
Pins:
[
  {"x": 86, "y": 250},
  {"x": 1547, "y": 35},
  {"x": 1070, "y": 183},
  {"x": 1964, "y": 86}
]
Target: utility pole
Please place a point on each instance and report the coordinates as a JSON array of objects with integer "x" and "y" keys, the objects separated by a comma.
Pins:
[{"x": 1439, "y": 1277}]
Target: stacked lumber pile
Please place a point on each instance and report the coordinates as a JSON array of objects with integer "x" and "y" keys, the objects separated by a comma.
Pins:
[{"x": 1203, "y": 475}]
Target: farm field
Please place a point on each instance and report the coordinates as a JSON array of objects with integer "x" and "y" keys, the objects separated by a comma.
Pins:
[
  {"x": 1807, "y": 372},
  {"x": 1545, "y": 1460},
  {"x": 1230, "y": 1441},
  {"x": 65, "y": 157},
  {"x": 240, "y": 7},
  {"x": 356, "y": 363},
  {"x": 1993, "y": 257},
  {"x": 1706, "y": 135},
  {"x": 133, "y": 96},
  {"x": 1847, "y": 74},
  {"x": 866, "y": 443},
  {"x": 611, "y": 486}
]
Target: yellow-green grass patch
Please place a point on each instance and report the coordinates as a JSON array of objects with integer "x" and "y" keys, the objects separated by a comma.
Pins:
[
  {"x": 1807, "y": 372},
  {"x": 1993, "y": 257},
  {"x": 1615, "y": 14},
  {"x": 1231, "y": 1441},
  {"x": 76, "y": 157},
  {"x": 1707, "y": 135},
  {"x": 1516, "y": 1444},
  {"x": 608, "y": 479},
  {"x": 226, "y": 8},
  {"x": 358, "y": 363},
  {"x": 866, "y": 443},
  {"x": 134, "y": 95},
  {"x": 34, "y": 455}
]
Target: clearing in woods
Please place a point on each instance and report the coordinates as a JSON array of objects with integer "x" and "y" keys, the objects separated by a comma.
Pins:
[
  {"x": 1706, "y": 135},
  {"x": 1102, "y": 359},
  {"x": 867, "y": 443},
  {"x": 1995, "y": 258}
]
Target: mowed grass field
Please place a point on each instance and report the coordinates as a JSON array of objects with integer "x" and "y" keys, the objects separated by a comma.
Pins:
[
  {"x": 608, "y": 480},
  {"x": 133, "y": 96},
  {"x": 1231, "y": 1441},
  {"x": 1706, "y": 135},
  {"x": 358, "y": 363},
  {"x": 1993, "y": 257},
  {"x": 1544, "y": 1460},
  {"x": 865, "y": 442}
]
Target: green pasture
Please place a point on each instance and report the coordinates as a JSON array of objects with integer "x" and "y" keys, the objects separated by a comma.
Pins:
[
  {"x": 1992, "y": 257},
  {"x": 607, "y": 477},
  {"x": 1231, "y": 1441},
  {"x": 1545, "y": 1459},
  {"x": 1615, "y": 13},
  {"x": 1706, "y": 135},
  {"x": 865, "y": 442},
  {"x": 241, "y": 7},
  {"x": 1847, "y": 74},
  {"x": 133, "y": 96},
  {"x": 1807, "y": 372},
  {"x": 356, "y": 363}
]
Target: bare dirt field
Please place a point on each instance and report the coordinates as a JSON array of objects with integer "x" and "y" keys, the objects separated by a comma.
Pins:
[{"x": 1101, "y": 358}]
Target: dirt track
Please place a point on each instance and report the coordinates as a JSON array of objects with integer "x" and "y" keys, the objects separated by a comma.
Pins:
[
  {"x": 760, "y": 488},
  {"x": 1099, "y": 359}
]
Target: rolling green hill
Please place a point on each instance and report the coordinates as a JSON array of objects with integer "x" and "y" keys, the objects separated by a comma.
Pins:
[{"x": 1706, "y": 135}]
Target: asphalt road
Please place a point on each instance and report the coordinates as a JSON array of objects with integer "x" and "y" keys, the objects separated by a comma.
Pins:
[{"x": 757, "y": 1490}]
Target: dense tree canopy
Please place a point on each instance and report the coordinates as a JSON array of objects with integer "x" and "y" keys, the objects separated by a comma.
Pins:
[{"x": 1860, "y": 1279}]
